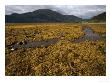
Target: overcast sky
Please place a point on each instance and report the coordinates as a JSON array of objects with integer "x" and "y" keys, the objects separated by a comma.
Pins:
[{"x": 83, "y": 11}]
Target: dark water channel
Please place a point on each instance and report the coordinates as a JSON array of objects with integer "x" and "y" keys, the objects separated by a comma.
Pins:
[
  {"x": 34, "y": 44},
  {"x": 89, "y": 35}
]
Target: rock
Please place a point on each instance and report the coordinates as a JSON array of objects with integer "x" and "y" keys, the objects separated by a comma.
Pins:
[
  {"x": 21, "y": 43},
  {"x": 12, "y": 49},
  {"x": 25, "y": 42}
]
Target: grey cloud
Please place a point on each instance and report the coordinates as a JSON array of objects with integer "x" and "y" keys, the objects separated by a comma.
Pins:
[{"x": 83, "y": 11}]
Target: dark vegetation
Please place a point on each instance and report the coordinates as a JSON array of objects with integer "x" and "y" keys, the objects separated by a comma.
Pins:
[{"x": 99, "y": 18}]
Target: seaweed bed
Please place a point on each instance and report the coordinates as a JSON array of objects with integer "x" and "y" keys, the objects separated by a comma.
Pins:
[{"x": 51, "y": 49}]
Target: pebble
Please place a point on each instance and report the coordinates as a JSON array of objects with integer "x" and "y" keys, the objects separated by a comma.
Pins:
[{"x": 12, "y": 49}]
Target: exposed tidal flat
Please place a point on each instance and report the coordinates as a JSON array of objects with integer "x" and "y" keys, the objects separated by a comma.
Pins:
[{"x": 49, "y": 49}]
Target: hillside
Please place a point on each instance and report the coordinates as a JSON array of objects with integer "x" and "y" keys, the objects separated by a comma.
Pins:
[
  {"x": 41, "y": 15},
  {"x": 99, "y": 18}
]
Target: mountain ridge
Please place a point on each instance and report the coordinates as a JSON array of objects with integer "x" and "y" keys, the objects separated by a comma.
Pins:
[
  {"x": 41, "y": 15},
  {"x": 47, "y": 15},
  {"x": 99, "y": 17}
]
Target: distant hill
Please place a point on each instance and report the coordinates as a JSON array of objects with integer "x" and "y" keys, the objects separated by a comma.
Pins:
[
  {"x": 41, "y": 15},
  {"x": 100, "y": 17}
]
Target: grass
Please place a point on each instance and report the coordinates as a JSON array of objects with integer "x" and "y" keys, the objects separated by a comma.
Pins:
[{"x": 64, "y": 58}]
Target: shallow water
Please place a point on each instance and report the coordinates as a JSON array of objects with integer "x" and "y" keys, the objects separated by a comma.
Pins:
[
  {"x": 43, "y": 43},
  {"x": 89, "y": 35}
]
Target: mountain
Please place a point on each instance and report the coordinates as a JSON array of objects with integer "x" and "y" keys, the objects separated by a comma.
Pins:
[
  {"x": 99, "y": 18},
  {"x": 41, "y": 15}
]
